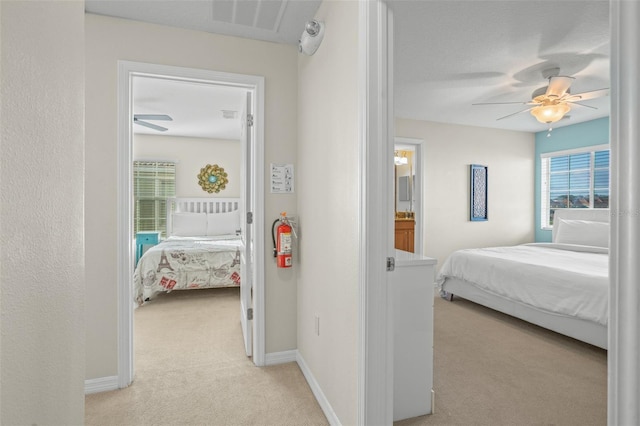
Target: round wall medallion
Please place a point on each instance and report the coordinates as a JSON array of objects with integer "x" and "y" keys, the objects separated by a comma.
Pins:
[{"x": 212, "y": 178}]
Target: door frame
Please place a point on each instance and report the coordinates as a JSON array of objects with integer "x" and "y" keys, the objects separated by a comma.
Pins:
[
  {"x": 247, "y": 202},
  {"x": 376, "y": 135},
  {"x": 418, "y": 188},
  {"x": 125, "y": 243},
  {"x": 624, "y": 270},
  {"x": 624, "y": 321}
]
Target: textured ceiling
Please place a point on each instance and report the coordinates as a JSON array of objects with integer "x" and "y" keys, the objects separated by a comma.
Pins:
[
  {"x": 280, "y": 21},
  {"x": 449, "y": 54},
  {"x": 197, "y": 109}
]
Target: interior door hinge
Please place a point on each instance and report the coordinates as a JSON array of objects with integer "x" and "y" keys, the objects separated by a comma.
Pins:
[
  {"x": 391, "y": 263},
  {"x": 250, "y": 120},
  {"x": 249, "y": 218},
  {"x": 249, "y": 314}
]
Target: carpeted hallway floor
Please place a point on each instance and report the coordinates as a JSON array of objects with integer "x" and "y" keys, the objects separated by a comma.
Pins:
[
  {"x": 489, "y": 369},
  {"x": 191, "y": 369}
]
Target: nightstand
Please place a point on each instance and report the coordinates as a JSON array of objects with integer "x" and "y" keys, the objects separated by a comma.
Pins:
[{"x": 144, "y": 240}]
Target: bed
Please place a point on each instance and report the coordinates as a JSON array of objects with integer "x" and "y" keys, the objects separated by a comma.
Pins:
[
  {"x": 203, "y": 249},
  {"x": 562, "y": 286}
]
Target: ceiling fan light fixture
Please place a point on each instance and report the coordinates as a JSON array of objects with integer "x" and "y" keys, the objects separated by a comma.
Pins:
[{"x": 550, "y": 113}]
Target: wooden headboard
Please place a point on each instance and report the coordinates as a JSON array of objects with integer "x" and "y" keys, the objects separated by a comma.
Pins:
[{"x": 199, "y": 205}]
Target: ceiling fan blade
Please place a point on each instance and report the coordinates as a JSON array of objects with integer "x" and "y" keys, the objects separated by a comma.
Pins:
[
  {"x": 503, "y": 103},
  {"x": 515, "y": 113},
  {"x": 558, "y": 85},
  {"x": 159, "y": 117},
  {"x": 585, "y": 96},
  {"x": 582, "y": 105},
  {"x": 150, "y": 125}
]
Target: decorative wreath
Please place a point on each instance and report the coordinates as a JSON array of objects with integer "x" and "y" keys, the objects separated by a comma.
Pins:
[{"x": 212, "y": 178}]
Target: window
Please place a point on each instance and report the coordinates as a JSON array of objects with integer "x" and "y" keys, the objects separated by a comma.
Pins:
[
  {"x": 574, "y": 179},
  {"x": 153, "y": 183}
]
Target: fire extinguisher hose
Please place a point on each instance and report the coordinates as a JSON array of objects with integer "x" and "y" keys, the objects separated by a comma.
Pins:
[{"x": 273, "y": 236}]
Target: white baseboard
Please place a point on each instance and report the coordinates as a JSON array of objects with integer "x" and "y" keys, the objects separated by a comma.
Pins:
[
  {"x": 102, "y": 384},
  {"x": 317, "y": 392},
  {"x": 283, "y": 357}
]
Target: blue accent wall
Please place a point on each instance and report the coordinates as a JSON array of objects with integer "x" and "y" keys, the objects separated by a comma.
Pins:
[{"x": 595, "y": 132}]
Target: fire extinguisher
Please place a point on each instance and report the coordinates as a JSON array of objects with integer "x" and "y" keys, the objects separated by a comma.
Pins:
[{"x": 282, "y": 241}]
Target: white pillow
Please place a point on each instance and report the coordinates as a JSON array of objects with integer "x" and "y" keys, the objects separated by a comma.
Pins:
[
  {"x": 189, "y": 224},
  {"x": 583, "y": 232},
  {"x": 223, "y": 223}
]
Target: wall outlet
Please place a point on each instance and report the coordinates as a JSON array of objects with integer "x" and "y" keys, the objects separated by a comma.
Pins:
[{"x": 317, "y": 325}]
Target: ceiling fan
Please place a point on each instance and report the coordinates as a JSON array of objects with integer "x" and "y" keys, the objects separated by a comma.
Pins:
[
  {"x": 550, "y": 103},
  {"x": 140, "y": 119}
]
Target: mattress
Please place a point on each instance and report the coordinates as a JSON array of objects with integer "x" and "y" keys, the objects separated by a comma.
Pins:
[{"x": 562, "y": 279}]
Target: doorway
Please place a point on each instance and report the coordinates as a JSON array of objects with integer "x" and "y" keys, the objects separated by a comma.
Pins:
[
  {"x": 409, "y": 189},
  {"x": 252, "y": 195}
]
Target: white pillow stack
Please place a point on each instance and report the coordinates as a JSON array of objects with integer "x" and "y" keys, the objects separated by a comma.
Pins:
[
  {"x": 203, "y": 224},
  {"x": 223, "y": 223},
  {"x": 583, "y": 232}
]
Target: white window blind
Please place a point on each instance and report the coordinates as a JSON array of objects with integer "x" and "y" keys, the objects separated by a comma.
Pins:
[
  {"x": 573, "y": 179},
  {"x": 153, "y": 183}
]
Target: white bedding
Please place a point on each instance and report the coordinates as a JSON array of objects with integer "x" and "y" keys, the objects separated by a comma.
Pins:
[
  {"x": 563, "y": 279},
  {"x": 187, "y": 263}
]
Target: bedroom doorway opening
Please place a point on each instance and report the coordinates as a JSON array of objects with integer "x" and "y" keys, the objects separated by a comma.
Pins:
[
  {"x": 408, "y": 184},
  {"x": 239, "y": 121}
]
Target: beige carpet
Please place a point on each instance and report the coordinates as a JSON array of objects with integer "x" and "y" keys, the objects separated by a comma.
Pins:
[
  {"x": 492, "y": 369},
  {"x": 191, "y": 369}
]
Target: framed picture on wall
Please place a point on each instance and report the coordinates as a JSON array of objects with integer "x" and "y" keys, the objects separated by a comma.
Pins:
[{"x": 478, "y": 210}]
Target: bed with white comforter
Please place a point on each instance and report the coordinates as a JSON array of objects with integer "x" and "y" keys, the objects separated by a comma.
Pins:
[
  {"x": 563, "y": 286},
  {"x": 204, "y": 249},
  {"x": 183, "y": 263}
]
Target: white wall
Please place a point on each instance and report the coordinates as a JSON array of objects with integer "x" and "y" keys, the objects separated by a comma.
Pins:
[
  {"x": 192, "y": 154},
  {"x": 448, "y": 152},
  {"x": 41, "y": 196},
  {"x": 328, "y": 203},
  {"x": 109, "y": 40}
]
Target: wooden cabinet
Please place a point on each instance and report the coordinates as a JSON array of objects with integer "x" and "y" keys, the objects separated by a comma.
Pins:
[{"x": 405, "y": 234}]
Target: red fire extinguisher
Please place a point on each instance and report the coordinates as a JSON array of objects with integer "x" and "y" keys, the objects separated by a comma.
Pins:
[{"x": 282, "y": 241}]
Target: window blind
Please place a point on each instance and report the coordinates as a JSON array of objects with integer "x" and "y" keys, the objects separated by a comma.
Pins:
[
  {"x": 153, "y": 183},
  {"x": 573, "y": 179}
]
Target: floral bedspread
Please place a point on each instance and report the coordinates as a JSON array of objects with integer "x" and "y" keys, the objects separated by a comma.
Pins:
[{"x": 179, "y": 263}]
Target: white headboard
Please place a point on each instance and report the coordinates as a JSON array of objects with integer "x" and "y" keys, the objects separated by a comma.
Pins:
[
  {"x": 199, "y": 205},
  {"x": 202, "y": 205},
  {"x": 594, "y": 215}
]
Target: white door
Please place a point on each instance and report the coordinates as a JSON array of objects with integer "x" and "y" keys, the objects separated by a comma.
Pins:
[{"x": 247, "y": 208}]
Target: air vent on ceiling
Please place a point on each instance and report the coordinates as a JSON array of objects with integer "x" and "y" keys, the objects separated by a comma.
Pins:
[{"x": 265, "y": 15}]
